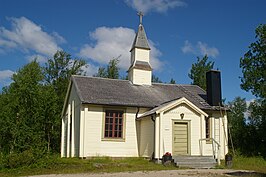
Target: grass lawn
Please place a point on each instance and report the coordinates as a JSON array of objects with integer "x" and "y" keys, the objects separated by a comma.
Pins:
[
  {"x": 257, "y": 164},
  {"x": 56, "y": 165}
]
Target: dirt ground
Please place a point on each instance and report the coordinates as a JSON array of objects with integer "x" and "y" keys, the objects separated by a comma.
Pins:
[{"x": 168, "y": 173}]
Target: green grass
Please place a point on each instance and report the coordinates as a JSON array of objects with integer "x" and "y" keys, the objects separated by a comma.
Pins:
[
  {"x": 257, "y": 164},
  {"x": 57, "y": 165},
  {"x": 53, "y": 164}
]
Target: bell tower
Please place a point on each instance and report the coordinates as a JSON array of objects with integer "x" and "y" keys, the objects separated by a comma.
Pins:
[{"x": 140, "y": 71}]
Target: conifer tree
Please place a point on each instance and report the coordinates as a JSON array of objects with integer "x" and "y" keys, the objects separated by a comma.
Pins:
[{"x": 198, "y": 71}]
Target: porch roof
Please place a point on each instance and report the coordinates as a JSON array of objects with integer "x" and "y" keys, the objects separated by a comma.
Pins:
[{"x": 169, "y": 105}]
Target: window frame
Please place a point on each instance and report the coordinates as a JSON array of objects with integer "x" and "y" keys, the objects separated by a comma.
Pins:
[{"x": 122, "y": 138}]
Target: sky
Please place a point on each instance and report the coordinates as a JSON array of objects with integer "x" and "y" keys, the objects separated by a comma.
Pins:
[{"x": 178, "y": 31}]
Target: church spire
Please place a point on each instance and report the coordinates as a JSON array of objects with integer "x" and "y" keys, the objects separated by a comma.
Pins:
[
  {"x": 140, "y": 40},
  {"x": 140, "y": 70}
]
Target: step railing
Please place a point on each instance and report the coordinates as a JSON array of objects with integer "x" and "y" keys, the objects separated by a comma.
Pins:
[{"x": 214, "y": 145}]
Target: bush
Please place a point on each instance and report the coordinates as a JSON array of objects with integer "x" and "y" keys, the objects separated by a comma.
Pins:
[
  {"x": 1, "y": 161},
  {"x": 15, "y": 160}
]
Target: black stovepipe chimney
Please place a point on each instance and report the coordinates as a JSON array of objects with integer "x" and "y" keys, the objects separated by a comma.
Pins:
[{"x": 213, "y": 83}]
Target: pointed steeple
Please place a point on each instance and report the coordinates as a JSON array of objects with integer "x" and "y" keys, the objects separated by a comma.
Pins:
[
  {"x": 140, "y": 40},
  {"x": 140, "y": 70}
]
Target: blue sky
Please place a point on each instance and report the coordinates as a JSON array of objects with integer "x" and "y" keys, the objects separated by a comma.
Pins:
[{"x": 97, "y": 31}]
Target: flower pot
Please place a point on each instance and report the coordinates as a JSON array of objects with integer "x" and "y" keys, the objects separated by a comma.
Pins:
[
  {"x": 167, "y": 158},
  {"x": 228, "y": 160}
]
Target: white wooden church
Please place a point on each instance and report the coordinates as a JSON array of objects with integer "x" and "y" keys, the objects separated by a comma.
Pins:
[{"x": 138, "y": 118}]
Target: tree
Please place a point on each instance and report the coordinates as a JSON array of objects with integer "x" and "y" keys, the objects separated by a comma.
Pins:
[
  {"x": 236, "y": 120},
  {"x": 155, "y": 79},
  {"x": 31, "y": 105},
  {"x": 111, "y": 71},
  {"x": 198, "y": 71},
  {"x": 58, "y": 71},
  {"x": 253, "y": 65},
  {"x": 248, "y": 128},
  {"x": 21, "y": 114},
  {"x": 172, "y": 81},
  {"x": 257, "y": 127},
  {"x": 101, "y": 73}
]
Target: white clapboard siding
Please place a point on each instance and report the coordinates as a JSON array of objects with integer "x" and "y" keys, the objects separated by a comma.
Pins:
[
  {"x": 73, "y": 105},
  {"x": 96, "y": 145},
  {"x": 194, "y": 132},
  {"x": 146, "y": 138}
]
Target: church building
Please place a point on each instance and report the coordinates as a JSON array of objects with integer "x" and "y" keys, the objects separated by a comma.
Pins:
[{"x": 138, "y": 118}]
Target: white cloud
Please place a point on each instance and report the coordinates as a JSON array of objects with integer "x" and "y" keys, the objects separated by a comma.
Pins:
[
  {"x": 160, "y": 6},
  {"x": 39, "y": 58},
  {"x": 200, "y": 49},
  {"x": 210, "y": 51},
  {"x": 113, "y": 42},
  {"x": 90, "y": 69},
  {"x": 5, "y": 77},
  {"x": 58, "y": 38},
  {"x": 8, "y": 44},
  {"x": 250, "y": 101},
  {"x": 154, "y": 56},
  {"x": 247, "y": 113},
  {"x": 187, "y": 48},
  {"x": 29, "y": 37}
]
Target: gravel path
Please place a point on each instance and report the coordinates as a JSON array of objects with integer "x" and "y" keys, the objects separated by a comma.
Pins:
[{"x": 167, "y": 173}]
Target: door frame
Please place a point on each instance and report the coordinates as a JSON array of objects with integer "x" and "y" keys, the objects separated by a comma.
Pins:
[{"x": 188, "y": 122}]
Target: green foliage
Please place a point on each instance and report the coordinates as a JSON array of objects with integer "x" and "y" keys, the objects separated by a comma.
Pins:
[
  {"x": 57, "y": 72},
  {"x": 101, "y": 73},
  {"x": 59, "y": 69},
  {"x": 21, "y": 114},
  {"x": 253, "y": 65},
  {"x": 112, "y": 70},
  {"x": 31, "y": 105},
  {"x": 172, "y": 81},
  {"x": 124, "y": 77},
  {"x": 247, "y": 125},
  {"x": 257, "y": 164},
  {"x": 198, "y": 71},
  {"x": 15, "y": 160},
  {"x": 155, "y": 79},
  {"x": 237, "y": 121},
  {"x": 257, "y": 124}
]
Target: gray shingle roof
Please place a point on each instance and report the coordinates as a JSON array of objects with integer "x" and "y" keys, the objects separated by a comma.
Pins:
[
  {"x": 93, "y": 90},
  {"x": 140, "y": 40}
]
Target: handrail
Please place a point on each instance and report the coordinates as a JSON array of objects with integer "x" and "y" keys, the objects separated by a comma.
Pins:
[{"x": 213, "y": 141}]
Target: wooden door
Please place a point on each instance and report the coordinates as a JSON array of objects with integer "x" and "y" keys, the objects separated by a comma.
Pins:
[{"x": 180, "y": 138}]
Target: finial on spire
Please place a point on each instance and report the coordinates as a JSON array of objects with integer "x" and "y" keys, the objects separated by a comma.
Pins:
[{"x": 140, "y": 14}]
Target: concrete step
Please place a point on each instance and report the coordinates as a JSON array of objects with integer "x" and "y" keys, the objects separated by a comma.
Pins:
[{"x": 195, "y": 161}]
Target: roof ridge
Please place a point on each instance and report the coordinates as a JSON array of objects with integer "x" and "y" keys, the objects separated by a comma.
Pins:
[
  {"x": 99, "y": 78},
  {"x": 156, "y": 83}
]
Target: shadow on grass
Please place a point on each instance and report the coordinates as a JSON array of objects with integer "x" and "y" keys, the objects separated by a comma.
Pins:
[{"x": 246, "y": 174}]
